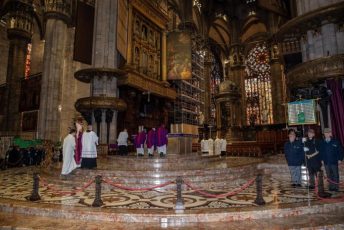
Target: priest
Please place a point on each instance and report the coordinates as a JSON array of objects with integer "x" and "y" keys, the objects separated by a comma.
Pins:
[
  {"x": 162, "y": 140},
  {"x": 89, "y": 149},
  {"x": 68, "y": 153}
]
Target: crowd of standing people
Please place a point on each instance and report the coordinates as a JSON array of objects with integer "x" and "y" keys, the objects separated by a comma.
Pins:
[
  {"x": 314, "y": 154},
  {"x": 155, "y": 140}
]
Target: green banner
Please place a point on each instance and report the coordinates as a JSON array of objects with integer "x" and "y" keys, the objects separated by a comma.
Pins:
[{"x": 302, "y": 112}]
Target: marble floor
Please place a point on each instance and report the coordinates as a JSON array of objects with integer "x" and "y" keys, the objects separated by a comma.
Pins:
[{"x": 16, "y": 185}]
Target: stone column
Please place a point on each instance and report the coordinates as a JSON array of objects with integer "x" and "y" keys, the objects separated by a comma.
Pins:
[
  {"x": 237, "y": 71},
  {"x": 218, "y": 117},
  {"x": 207, "y": 74},
  {"x": 164, "y": 60},
  {"x": 19, "y": 32},
  {"x": 329, "y": 41},
  {"x": 105, "y": 56},
  {"x": 57, "y": 17},
  {"x": 277, "y": 86},
  {"x": 340, "y": 38}
]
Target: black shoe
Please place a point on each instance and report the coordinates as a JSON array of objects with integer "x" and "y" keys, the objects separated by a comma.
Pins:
[
  {"x": 311, "y": 186},
  {"x": 161, "y": 154},
  {"x": 150, "y": 155},
  {"x": 293, "y": 185},
  {"x": 298, "y": 185},
  {"x": 333, "y": 189}
]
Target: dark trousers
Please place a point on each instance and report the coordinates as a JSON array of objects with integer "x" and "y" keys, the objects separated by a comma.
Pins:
[
  {"x": 312, "y": 173},
  {"x": 123, "y": 150},
  {"x": 332, "y": 174}
]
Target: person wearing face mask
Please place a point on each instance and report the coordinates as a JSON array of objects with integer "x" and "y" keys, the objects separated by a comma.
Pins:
[
  {"x": 313, "y": 162},
  {"x": 331, "y": 154},
  {"x": 293, "y": 150}
]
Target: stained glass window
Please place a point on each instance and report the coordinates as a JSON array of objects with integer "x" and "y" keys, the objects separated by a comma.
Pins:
[
  {"x": 28, "y": 61},
  {"x": 258, "y": 86}
]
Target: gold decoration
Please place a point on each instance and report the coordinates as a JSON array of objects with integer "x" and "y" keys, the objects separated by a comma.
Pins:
[{"x": 316, "y": 70}]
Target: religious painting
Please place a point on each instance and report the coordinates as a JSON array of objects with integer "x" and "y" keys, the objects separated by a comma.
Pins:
[{"x": 179, "y": 56}]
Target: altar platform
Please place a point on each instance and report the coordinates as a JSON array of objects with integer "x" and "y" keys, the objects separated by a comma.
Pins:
[{"x": 128, "y": 203}]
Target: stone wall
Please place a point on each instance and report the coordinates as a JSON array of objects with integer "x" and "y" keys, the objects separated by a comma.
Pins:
[
  {"x": 4, "y": 44},
  {"x": 305, "y": 6}
]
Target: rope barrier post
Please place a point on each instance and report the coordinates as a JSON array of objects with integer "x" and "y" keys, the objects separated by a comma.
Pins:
[
  {"x": 179, "y": 202},
  {"x": 98, "y": 199},
  {"x": 321, "y": 190},
  {"x": 259, "y": 186},
  {"x": 35, "y": 194}
]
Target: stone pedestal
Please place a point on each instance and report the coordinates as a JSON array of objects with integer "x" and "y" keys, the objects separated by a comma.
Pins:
[{"x": 179, "y": 144}]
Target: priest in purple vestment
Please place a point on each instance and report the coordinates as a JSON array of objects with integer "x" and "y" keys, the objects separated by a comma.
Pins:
[
  {"x": 151, "y": 141},
  {"x": 162, "y": 140},
  {"x": 140, "y": 140}
]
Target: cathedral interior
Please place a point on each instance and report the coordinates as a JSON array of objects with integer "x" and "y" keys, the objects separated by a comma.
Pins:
[{"x": 205, "y": 69}]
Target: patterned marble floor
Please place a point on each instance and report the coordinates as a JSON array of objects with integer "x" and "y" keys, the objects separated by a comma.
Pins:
[{"x": 16, "y": 184}]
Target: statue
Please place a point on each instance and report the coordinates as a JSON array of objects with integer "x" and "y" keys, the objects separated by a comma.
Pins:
[{"x": 201, "y": 118}]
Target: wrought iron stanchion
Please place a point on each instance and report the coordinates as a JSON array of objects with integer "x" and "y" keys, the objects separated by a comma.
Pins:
[
  {"x": 259, "y": 185},
  {"x": 34, "y": 194},
  {"x": 321, "y": 190},
  {"x": 98, "y": 196},
  {"x": 179, "y": 202}
]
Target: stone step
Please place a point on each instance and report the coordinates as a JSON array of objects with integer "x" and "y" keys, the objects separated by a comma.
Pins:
[{"x": 169, "y": 216}]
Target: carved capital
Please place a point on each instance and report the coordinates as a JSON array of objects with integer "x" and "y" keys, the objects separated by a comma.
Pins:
[
  {"x": 86, "y": 75},
  {"x": 59, "y": 9},
  {"x": 91, "y": 103},
  {"x": 19, "y": 19}
]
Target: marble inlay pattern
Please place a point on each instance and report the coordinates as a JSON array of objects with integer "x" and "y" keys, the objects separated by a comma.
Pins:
[{"x": 16, "y": 184}]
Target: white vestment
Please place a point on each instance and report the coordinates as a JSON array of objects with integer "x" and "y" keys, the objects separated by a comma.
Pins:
[
  {"x": 211, "y": 146},
  {"x": 68, "y": 155},
  {"x": 150, "y": 150},
  {"x": 218, "y": 143},
  {"x": 89, "y": 145},
  {"x": 162, "y": 149},
  {"x": 204, "y": 146},
  {"x": 223, "y": 145},
  {"x": 122, "y": 138}
]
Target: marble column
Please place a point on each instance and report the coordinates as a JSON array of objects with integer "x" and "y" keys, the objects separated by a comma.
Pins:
[
  {"x": 105, "y": 56},
  {"x": 164, "y": 57},
  {"x": 53, "y": 70},
  {"x": 15, "y": 72},
  {"x": 340, "y": 38},
  {"x": 19, "y": 32},
  {"x": 329, "y": 41},
  {"x": 277, "y": 87},
  {"x": 237, "y": 73},
  {"x": 207, "y": 96}
]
